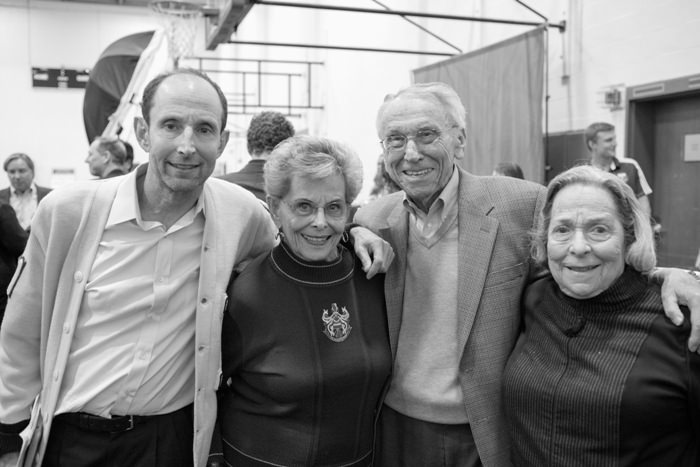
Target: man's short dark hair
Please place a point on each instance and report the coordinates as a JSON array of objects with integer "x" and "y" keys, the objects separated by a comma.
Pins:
[
  {"x": 267, "y": 130},
  {"x": 19, "y": 155},
  {"x": 591, "y": 133},
  {"x": 150, "y": 91}
]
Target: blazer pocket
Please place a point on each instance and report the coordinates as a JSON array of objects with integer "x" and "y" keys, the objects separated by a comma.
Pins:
[{"x": 504, "y": 276}]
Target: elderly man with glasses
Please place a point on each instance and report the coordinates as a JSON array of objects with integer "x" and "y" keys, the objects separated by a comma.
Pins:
[{"x": 453, "y": 291}]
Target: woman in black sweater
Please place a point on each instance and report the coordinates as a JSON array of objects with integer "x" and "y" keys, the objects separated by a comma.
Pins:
[
  {"x": 599, "y": 376},
  {"x": 305, "y": 344}
]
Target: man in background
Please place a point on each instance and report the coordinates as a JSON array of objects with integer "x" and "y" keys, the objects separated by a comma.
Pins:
[
  {"x": 601, "y": 143},
  {"x": 266, "y": 130},
  {"x": 23, "y": 195},
  {"x": 107, "y": 157}
]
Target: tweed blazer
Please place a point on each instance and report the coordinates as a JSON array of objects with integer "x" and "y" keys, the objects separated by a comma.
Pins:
[
  {"x": 40, "y": 193},
  {"x": 495, "y": 217}
]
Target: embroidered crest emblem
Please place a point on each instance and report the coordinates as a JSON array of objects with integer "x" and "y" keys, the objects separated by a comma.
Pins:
[{"x": 336, "y": 326}]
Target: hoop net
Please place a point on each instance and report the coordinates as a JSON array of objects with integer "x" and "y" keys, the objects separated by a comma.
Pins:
[{"x": 180, "y": 22}]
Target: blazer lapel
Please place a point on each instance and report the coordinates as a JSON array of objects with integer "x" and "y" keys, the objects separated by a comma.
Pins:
[
  {"x": 477, "y": 235},
  {"x": 395, "y": 233}
]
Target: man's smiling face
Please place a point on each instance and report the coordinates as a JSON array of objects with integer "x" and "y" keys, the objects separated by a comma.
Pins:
[
  {"x": 184, "y": 137},
  {"x": 422, "y": 170}
]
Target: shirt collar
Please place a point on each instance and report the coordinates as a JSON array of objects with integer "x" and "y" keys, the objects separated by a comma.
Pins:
[
  {"x": 614, "y": 164},
  {"x": 125, "y": 207},
  {"x": 445, "y": 202},
  {"x": 30, "y": 191}
]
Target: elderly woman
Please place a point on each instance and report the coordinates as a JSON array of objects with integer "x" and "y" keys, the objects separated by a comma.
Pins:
[
  {"x": 305, "y": 341},
  {"x": 599, "y": 376}
]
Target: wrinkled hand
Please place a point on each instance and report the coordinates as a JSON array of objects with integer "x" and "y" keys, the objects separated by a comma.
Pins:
[
  {"x": 679, "y": 287},
  {"x": 9, "y": 460},
  {"x": 375, "y": 254}
]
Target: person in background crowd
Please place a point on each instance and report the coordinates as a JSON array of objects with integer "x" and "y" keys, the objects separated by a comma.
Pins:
[
  {"x": 508, "y": 169},
  {"x": 453, "y": 292},
  {"x": 266, "y": 130},
  {"x": 112, "y": 330},
  {"x": 23, "y": 195},
  {"x": 107, "y": 157},
  {"x": 305, "y": 366},
  {"x": 383, "y": 184},
  {"x": 599, "y": 376},
  {"x": 601, "y": 143},
  {"x": 13, "y": 239}
]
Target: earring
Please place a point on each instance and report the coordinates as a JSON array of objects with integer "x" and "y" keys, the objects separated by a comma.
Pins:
[
  {"x": 345, "y": 237},
  {"x": 280, "y": 234}
]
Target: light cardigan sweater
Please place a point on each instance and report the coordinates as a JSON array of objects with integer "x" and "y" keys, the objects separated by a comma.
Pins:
[{"x": 44, "y": 305}]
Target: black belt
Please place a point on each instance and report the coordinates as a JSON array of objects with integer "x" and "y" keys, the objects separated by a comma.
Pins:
[
  {"x": 91, "y": 422},
  {"x": 116, "y": 424}
]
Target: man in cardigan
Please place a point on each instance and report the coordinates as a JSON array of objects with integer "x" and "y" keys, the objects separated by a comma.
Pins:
[
  {"x": 266, "y": 130},
  {"x": 23, "y": 195},
  {"x": 453, "y": 291},
  {"x": 110, "y": 348}
]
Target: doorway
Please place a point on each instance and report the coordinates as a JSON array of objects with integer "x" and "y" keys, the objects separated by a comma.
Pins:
[{"x": 657, "y": 128}]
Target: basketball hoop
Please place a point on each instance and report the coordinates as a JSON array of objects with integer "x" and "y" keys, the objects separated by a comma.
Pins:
[{"x": 180, "y": 23}]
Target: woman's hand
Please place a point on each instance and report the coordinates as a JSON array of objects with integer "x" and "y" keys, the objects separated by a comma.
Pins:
[
  {"x": 375, "y": 254},
  {"x": 679, "y": 287}
]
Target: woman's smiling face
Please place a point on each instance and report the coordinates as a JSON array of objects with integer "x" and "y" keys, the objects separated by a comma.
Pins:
[
  {"x": 312, "y": 216},
  {"x": 585, "y": 241}
]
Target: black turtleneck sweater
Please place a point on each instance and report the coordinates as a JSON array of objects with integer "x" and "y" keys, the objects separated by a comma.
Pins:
[
  {"x": 306, "y": 348},
  {"x": 606, "y": 381}
]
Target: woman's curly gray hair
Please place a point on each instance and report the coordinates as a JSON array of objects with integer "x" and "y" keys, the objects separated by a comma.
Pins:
[{"x": 309, "y": 156}]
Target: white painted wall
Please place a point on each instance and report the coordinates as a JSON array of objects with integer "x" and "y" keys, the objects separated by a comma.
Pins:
[{"x": 607, "y": 42}]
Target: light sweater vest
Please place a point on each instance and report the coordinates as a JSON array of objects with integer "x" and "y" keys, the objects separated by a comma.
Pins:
[{"x": 425, "y": 384}]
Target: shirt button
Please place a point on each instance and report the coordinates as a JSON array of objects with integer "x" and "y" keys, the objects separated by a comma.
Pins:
[
  {"x": 204, "y": 301},
  {"x": 78, "y": 276}
]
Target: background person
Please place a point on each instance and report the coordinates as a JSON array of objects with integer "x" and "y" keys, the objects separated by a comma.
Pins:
[
  {"x": 13, "y": 239},
  {"x": 107, "y": 157},
  {"x": 266, "y": 130},
  {"x": 306, "y": 364},
  {"x": 508, "y": 169},
  {"x": 23, "y": 195},
  {"x": 114, "y": 325},
  {"x": 601, "y": 143},
  {"x": 599, "y": 376}
]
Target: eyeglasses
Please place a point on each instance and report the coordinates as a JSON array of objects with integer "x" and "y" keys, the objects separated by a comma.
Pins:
[
  {"x": 333, "y": 210},
  {"x": 397, "y": 142}
]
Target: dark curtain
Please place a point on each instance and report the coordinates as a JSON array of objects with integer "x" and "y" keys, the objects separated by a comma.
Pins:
[
  {"x": 501, "y": 87},
  {"x": 109, "y": 78}
]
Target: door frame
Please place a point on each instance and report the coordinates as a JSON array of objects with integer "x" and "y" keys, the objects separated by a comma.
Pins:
[{"x": 639, "y": 120}]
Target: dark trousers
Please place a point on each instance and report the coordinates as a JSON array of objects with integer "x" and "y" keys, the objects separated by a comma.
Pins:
[
  {"x": 160, "y": 441},
  {"x": 406, "y": 442}
]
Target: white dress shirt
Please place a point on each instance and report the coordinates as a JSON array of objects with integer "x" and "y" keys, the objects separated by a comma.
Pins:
[{"x": 133, "y": 348}]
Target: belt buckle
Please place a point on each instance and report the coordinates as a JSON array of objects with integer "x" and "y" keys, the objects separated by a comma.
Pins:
[{"x": 131, "y": 423}]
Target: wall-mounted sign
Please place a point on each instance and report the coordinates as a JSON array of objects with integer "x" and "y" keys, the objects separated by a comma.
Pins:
[
  {"x": 692, "y": 148},
  {"x": 59, "y": 78}
]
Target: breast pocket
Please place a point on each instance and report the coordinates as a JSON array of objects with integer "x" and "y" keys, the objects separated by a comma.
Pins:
[{"x": 505, "y": 276}]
